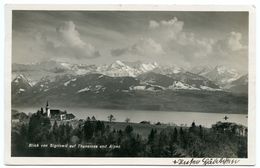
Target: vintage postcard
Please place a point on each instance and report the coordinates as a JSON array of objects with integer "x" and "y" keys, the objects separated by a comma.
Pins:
[{"x": 130, "y": 85}]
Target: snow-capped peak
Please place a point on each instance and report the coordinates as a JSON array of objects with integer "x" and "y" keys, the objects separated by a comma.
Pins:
[
  {"x": 117, "y": 64},
  {"x": 21, "y": 78},
  {"x": 118, "y": 68},
  {"x": 221, "y": 69},
  {"x": 66, "y": 65},
  {"x": 120, "y": 63},
  {"x": 222, "y": 75},
  {"x": 148, "y": 67}
]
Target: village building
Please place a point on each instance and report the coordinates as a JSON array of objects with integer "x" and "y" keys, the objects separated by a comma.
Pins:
[
  {"x": 57, "y": 114},
  {"x": 230, "y": 127}
]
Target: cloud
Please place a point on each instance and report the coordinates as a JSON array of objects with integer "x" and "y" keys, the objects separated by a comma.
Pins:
[
  {"x": 153, "y": 24},
  {"x": 142, "y": 47},
  {"x": 69, "y": 35},
  {"x": 119, "y": 52},
  {"x": 161, "y": 31},
  {"x": 187, "y": 47},
  {"x": 230, "y": 49},
  {"x": 67, "y": 43},
  {"x": 166, "y": 29},
  {"x": 232, "y": 42},
  {"x": 146, "y": 46},
  {"x": 176, "y": 41},
  {"x": 191, "y": 47},
  {"x": 169, "y": 39}
]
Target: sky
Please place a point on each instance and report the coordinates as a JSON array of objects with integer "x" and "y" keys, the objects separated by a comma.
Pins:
[{"x": 181, "y": 38}]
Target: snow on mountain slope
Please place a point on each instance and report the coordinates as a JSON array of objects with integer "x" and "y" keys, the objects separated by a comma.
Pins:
[
  {"x": 155, "y": 79},
  {"x": 20, "y": 84},
  {"x": 133, "y": 69},
  {"x": 240, "y": 85},
  {"x": 35, "y": 72},
  {"x": 177, "y": 85},
  {"x": 180, "y": 85},
  {"x": 193, "y": 80},
  {"x": 165, "y": 70},
  {"x": 243, "y": 80},
  {"x": 139, "y": 87},
  {"x": 209, "y": 88},
  {"x": 83, "y": 90},
  {"x": 69, "y": 81},
  {"x": 150, "y": 73},
  {"x": 21, "y": 79},
  {"x": 118, "y": 69},
  {"x": 201, "y": 70},
  {"x": 141, "y": 67},
  {"x": 147, "y": 87},
  {"x": 222, "y": 75},
  {"x": 148, "y": 67}
]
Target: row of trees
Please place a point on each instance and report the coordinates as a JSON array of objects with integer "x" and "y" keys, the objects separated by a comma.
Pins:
[{"x": 193, "y": 141}]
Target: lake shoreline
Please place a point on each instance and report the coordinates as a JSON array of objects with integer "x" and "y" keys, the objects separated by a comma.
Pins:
[
  {"x": 165, "y": 117},
  {"x": 117, "y": 109}
]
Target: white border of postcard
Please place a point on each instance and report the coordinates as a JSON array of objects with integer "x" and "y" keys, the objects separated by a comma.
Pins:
[{"x": 128, "y": 160}]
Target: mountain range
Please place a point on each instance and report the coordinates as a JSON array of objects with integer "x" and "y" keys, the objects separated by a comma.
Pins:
[{"x": 130, "y": 85}]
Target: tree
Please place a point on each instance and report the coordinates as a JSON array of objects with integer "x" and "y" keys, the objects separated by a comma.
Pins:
[
  {"x": 151, "y": 136},
  {"x": 127, "y": 120},
  {"x": 93, "y": 118},
  {"x": 68, "y": 128},
  {"x": 88, "y": 118},
  {"x": 55, "y": 131},
  {"x": 88, "y": 130},
  {"x": 19, "y": 140},
  {"x": 74, "y": 139},
  {"x": 42, "y": 110},
  {"x": 23, "y": 134},
  {"x": 242, "y": 148},
  {"x": 201, "y": 132},
  {"x": 128, "y": 129},
  {"x": 192, "y": 127},
  {"x": 100, "y": 127},
  {"x": 63, "y": 134},
  {"x": 162, "y": 145},
  {"x": 182, "y": 138},
  {"x": 131, "y": 144},
  {"x": 193, "y": 124},
  {"x": 175, "y": 135},
  {"x": 38, "y": 128},
  {"x": 111, "y": 118}
]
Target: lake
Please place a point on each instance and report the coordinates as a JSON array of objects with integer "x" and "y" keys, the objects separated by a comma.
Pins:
[{"x": 167, "y": 117}]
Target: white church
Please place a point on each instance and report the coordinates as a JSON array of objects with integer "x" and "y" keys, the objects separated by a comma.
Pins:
[{"x": 57, "y": 114}]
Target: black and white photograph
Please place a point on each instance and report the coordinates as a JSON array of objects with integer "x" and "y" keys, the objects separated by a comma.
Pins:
[{"x": 130, "y": 84}]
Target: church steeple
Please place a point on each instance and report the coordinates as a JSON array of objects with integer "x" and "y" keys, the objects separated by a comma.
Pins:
[
  {"x": 47, "y": 109},
  {"x": 47, "y": 106}
]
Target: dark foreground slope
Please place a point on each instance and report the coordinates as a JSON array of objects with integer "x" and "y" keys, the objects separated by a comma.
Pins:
[{"x": 39, "y": 137}]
